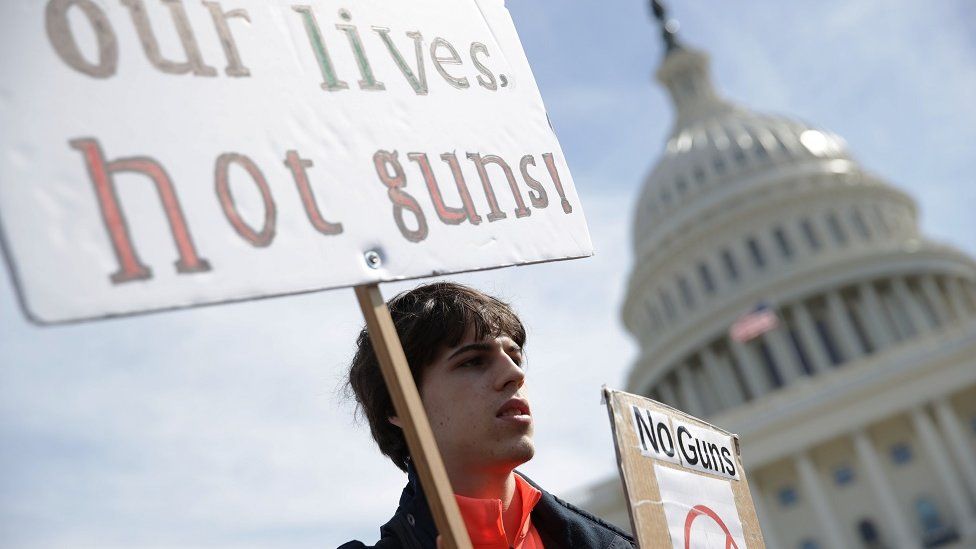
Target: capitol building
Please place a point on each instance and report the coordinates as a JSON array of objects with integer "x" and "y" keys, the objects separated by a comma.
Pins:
[{"x": 857, "y": 410}]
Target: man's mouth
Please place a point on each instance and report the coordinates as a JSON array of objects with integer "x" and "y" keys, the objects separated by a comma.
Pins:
[{"x": 515, "y": 408}]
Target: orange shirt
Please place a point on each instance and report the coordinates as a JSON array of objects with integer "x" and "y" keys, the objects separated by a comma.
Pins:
[{"x": 483, "y": 519}]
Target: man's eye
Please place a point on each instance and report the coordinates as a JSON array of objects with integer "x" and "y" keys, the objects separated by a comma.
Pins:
[
  {"x": 473, "y": 361},
  {"x": 516, "y": 355}
]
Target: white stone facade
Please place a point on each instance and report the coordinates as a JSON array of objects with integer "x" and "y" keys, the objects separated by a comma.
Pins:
[{"x": 857, "y": 415}]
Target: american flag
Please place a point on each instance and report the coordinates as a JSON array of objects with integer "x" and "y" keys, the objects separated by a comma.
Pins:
[{"x": 753, "y": 324}]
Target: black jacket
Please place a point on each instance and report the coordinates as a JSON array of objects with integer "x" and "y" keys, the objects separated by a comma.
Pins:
[{"x": 560, "y": 525}]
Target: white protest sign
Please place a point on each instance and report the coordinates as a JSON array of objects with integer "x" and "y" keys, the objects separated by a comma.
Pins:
[
  {"x": 700, "y": 511},
  {"x": 168, "y": 153},
  {"x": 682, "y": 477}
]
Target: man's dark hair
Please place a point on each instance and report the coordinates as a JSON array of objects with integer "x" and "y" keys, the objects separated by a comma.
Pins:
[{"x": 428, "y": 319}]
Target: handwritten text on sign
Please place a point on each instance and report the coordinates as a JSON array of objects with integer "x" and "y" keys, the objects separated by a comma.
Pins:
[
  {"x": 166, "y": 153},
  {"x": 683, "y": 443}
]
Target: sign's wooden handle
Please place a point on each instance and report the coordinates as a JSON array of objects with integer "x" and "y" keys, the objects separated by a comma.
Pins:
[{"x": 416, "y": 427}]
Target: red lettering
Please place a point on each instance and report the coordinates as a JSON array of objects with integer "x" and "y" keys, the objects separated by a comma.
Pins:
[
  {"x": 462, "y": 187},
  {"x": 100, "y": 171},
  {"x": 551, "y": 166},
  {"x": 259, "y": 239},
  {"x": 496, "y": 214},
  {"x": 539, "y": 199},
  {"x": 448, "y": 214},
  {"x": 297, "y": 166},
  {"x": 401, "y": 199}
]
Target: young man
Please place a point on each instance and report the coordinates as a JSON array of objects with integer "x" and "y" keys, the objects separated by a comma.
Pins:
[{"x": 465, "y": 351}]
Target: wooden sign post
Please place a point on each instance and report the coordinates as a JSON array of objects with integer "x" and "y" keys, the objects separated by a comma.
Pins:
[
  {"x": 416, "y": 427},
  {"x": 683, "y": 478}
]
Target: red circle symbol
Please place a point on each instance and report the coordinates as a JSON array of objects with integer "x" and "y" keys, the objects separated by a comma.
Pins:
[{"x": 699, "y": 510}]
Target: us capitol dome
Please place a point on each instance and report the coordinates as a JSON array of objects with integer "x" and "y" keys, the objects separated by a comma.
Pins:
[{"x": 857, "y": 411}]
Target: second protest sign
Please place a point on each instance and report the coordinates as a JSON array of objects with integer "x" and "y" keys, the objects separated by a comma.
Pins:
[{"x": 683, "y": 478}]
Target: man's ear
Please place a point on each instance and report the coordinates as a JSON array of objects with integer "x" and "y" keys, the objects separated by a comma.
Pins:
[{"x": 395, "y": 420}]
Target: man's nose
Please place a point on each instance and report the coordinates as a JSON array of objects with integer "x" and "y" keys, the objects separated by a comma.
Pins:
[{"x": 510, "y": 372}]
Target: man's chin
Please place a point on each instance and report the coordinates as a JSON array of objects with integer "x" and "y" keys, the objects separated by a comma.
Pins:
[
  {"x": 505, "y": 456},
  {"x": 523, "y": 452},
  {"x": 513, "y": 456}
]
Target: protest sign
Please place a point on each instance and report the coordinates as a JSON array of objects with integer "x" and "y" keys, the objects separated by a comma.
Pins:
[
  {"x": 683, "y": 478},
  {"x": 159, "y": 154},
  {"x": 167, "y": 153}
]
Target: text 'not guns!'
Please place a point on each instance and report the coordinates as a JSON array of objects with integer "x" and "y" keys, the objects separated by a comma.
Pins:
[{"x": 388, "y": 165}]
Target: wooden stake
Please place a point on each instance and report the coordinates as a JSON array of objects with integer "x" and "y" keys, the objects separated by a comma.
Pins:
[{"x": 416, "y": 427}]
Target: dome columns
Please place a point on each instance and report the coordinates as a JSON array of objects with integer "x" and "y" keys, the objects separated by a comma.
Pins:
[
  {"x": 666, "y": 388},
  {"x": 807, "y": 334},
  {"x": 961, "y": 507},
  {"x": 812, "y": 486},
  {"x": 772, "y": 254},
  {"x": 909, "y": 303},
  {"x": 785, "y": 361},
  {"x": 957, "y": 298},
  {"x": 720, "y": 281},
  {"x": 689, "y": 391},
  {"x": 822, "y": 233},
  {"x": 842, "y": 328},
  {"x": 895, "y": 521},
  {"x": 930, "y": 289},
  {"x": 722, "y": 378},
  {"x": 956, "y": 295},
  {"x": 769, "y": 534},
  {"x": 878, "y": 329},
  {"x": 748, "y": 362},
  {"x": 941, "y": 444},
  {"x": 955, "y": 435},
  {"x": 972, "y": 296},
  {"x": 838, "y": 325}
]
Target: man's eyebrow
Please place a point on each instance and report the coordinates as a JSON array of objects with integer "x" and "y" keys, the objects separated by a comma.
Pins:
[
  {"x": 483, "y": 347},
  {"x": 470, "y": 347}
]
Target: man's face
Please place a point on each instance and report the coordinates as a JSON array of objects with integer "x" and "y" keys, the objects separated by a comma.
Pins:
[{"x": 474, "y": 396}]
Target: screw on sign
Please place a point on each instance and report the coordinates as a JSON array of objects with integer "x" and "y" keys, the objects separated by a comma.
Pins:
[{"x": 700, "y": 510}]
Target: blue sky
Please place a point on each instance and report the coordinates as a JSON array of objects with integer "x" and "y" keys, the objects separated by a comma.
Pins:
[{"x": 226, "y": 426}]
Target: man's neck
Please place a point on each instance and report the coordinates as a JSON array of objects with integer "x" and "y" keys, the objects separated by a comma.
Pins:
[
  {"x": 500, "y": 486},
  {"x": 485, "y": 485}
]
